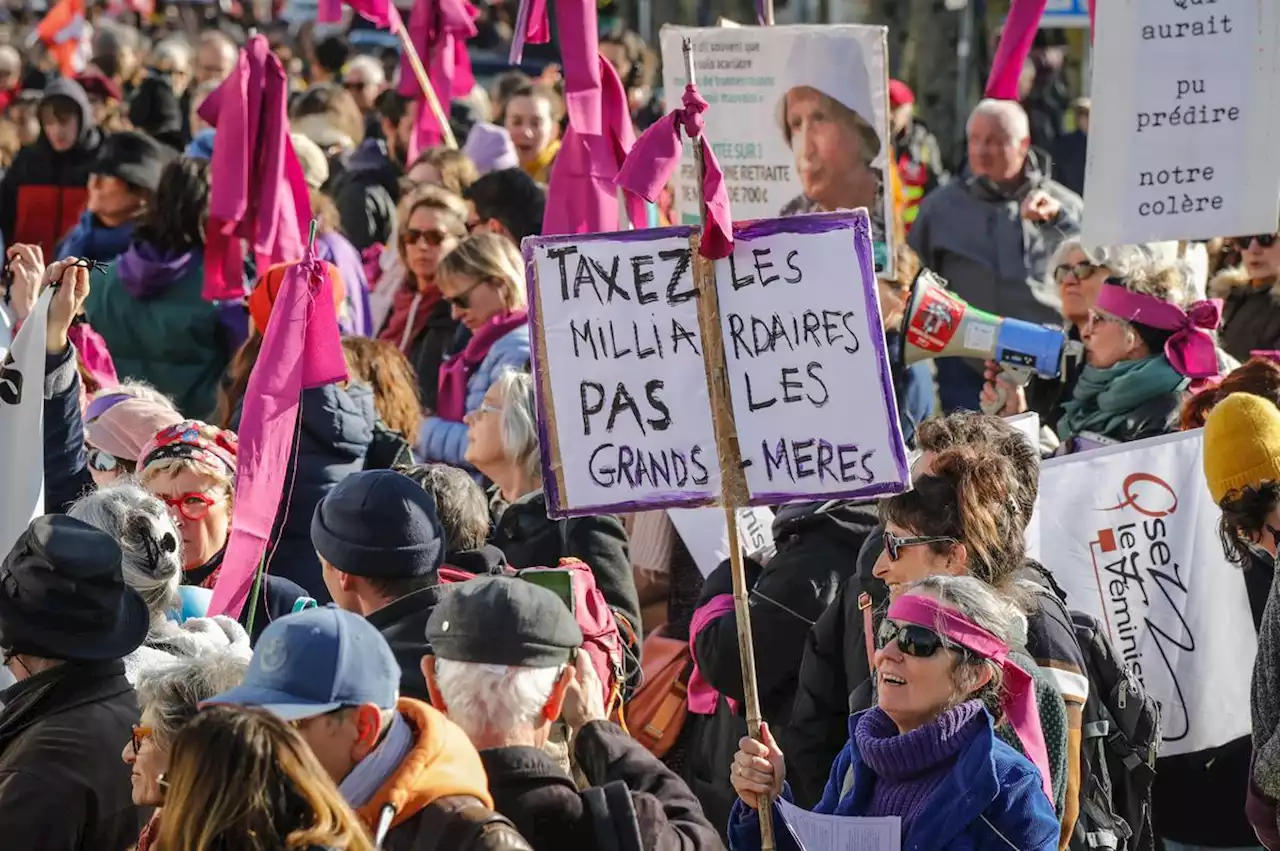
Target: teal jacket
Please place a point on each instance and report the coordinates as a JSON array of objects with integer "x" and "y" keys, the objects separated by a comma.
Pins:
[{"x": 159, "y": 329}]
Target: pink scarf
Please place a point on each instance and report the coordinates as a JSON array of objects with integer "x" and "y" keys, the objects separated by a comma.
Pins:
[
  {"x": 300, "y": 349},
  {"x": 702, "y": 697},
  {"x": 454, "y": 374}
]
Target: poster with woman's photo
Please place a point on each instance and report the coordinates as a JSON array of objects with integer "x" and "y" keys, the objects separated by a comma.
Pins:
[{"x": 798, "y": 117}]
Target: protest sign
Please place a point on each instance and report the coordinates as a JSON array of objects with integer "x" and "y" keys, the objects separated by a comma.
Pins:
[
  {"x": 624, "y": 415},
  {"x": 813, "y": 401},
  {"x": 22, "y": 425},
  {"x": 799, "y": 118},
  {"x": 1028, "y": 424},
  {"x": 706, "y": 535},
  {"x": 1185, "y": 121},
  {"x": 1131, "y": 534}
]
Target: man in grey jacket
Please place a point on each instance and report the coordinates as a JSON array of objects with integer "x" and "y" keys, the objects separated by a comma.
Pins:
[{"x": 991, "y": 233}]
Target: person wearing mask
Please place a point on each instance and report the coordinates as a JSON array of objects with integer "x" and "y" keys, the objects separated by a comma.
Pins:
[
  {"x": 420, "y": 323},
  {"x": 919, "y": 157},
  {"x": 44, "y": 192},
  {"x": 503, "y": 445},
  {"x": 927, "y": 753},
  {"x": 122, "y": 183},
  {"x": 506, "y": 202},
  {"x": 152, "y": 563},
  {"x": 531, "y": 118},
  {"x": 381, "y": 544},
  {"x": 482, "y": 279},
  {"x": 169, "y": 696},
  {"x": 400, "y": 764},
  {"x": 1251, "y": 297},
  {"x": 67, "y": 620},
  {"x": 367, "y": 188},
  {"x": 191, "y": 467},
  {"x": 507, "y": 663},
  {"x": 149, "y": 306},
  {"x": 247, "y": 780},
  {"x": 991, "y": 232}
]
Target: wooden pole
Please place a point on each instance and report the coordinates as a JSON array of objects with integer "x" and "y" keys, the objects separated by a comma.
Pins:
[
  {"x": 424, "y": 82},
  {"x": 768, "y": 13},
  {"x": 733, "y": 482}
]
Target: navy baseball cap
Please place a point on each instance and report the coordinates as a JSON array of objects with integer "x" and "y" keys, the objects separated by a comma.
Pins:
[{"x": 315, "y": 661}]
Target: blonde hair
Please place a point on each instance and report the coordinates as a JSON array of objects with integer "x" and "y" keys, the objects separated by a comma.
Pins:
[
  {"x": 451, "y": 209},
  {"x": 241, "y": 778},
  {"x": 491, "y": 258},
  {"x": 174, "y": 467}
]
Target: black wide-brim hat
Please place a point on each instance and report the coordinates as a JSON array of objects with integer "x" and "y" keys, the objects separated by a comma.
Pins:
[{"x": 63, "y": 595}]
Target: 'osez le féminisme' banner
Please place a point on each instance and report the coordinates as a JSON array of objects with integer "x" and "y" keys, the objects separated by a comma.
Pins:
[{"x": 1131, "y": 533}]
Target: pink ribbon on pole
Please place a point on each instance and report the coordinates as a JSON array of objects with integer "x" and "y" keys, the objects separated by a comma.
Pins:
[
  {"x": 300, "y": 349},
  {"x": 439, "y": 30},
  {"x": 655, "y": 157},
  {"x": 378, "y": 12},
  {"x": 1015, "y": 44},
  {"x": 532, "y": 27}
]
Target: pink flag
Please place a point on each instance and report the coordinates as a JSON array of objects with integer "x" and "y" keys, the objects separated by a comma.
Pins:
[
  {"x": 300, "y": 349},
  {"x": 1015, "y": 44},
  {"x": 532, "y": 27},
  {"x": 655, "y": 157},
  {"x": 439, "y": 30},
  {"x": 378, "y": 12}
]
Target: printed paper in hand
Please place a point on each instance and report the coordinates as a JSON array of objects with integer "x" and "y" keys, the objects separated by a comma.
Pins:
[
  {"x": 816, "y": 832},
  {"x": 706, "y": 535}
]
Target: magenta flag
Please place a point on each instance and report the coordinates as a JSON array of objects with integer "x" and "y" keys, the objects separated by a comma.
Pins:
[
  {"x": 378, "y": 12},
  {"x": 439, "y": 30},
  {"x": 1015, "y": 44}
]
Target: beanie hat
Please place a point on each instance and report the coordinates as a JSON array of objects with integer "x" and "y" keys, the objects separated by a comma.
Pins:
[
  {"x": 490, "y": 148},
  {"x": 264, "y": 294},
  {"x": 379, "y": 524},
  {"x": 900, "y": 94},
  {"x": 128, "y": 425},
  {"x": 1241, "y": 444},
  {"x": 315, "y": 168}
]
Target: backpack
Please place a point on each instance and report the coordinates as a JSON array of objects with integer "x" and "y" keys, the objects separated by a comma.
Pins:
[
  {"x": 1120, "y": 737},
  {"x": 656, "y": 712},
  {"x": 460, "y": 823}
]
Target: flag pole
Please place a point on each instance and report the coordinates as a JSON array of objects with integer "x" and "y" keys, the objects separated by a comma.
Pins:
[
  {"x": 733, "y": 482},
  {"x": 424, "y": 82}
]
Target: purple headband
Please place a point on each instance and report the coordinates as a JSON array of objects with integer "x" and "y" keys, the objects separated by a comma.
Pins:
[{"x": 1190, "y": 350}]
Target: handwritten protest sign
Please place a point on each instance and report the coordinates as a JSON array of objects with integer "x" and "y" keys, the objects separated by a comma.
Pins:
[
  {"x": 1185, "y": 121},
  {"x": 813, "y": 401},
  {"x": 799, "y": 118},
  {"x": 1131, "y": 534},
  {"x": 623, "y": 409}
]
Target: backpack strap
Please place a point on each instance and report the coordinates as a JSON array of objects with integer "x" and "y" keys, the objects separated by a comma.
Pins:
[
  {"x": 458, "y": 822},
  {"x": 613, "y": 816}
]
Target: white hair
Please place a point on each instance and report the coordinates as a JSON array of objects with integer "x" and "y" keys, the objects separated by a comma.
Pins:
[
  {"x": 1012, "y": 117},
  {"x": 483, "y": 697},
  {"x": 148, "y": 538},
  {"x": 175, "y": 51},
  {"x": 371, "y": 69},
  {"x": 1125, "y": 260},
  {"x": 518, "y": 423},
  {"x": 173, "y": 691}
]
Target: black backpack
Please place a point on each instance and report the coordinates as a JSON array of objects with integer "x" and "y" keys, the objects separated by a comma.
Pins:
[{"x": 1120, "y": 737}]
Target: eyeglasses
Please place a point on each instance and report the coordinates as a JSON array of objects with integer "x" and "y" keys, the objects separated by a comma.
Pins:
[
  {"x": 1079, "y": 271},
  {"x": 141, "y": 733},
  {"x": 485, "y": 408},
  {"x": 1098, "y": 317},
  {"x": 193, "y": 506},
  {"x": 463, "y": 299},
  {"x": 105, "y": 462},
  {"x": 355, "y": 85},
  {"x": 913, "y": 639},
  {"x": 1265, "y": 240},
  {"x": 435, "y": 238},
  {"x": 894, "y": 545}
]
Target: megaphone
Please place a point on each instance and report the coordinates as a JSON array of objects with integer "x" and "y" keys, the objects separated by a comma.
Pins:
[{"x": 939, "y": 324}]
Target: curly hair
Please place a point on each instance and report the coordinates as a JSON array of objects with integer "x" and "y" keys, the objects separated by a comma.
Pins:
[
  {"x": 1244, "y": 519},
  {"x": 1260, "y": 376},
  {"x": 176, "y": 220},
  {"x": 395, "y": 389},
  {"x": 457, "y": 171}
]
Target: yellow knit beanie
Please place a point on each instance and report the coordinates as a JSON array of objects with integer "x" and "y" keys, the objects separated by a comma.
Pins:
[{"x": 1241, "y": 444}]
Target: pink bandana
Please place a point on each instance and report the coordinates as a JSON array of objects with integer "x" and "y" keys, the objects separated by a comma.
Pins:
[
  {"x": 1190, "y": 350},
  {"x": 1020, "y": 694},
  {"x": 195, "y": 441}
]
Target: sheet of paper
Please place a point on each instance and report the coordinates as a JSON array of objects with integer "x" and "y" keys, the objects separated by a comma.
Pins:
[{"x": 816, "y": 832}]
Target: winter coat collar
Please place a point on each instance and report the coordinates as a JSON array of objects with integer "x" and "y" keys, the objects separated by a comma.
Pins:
[
  {"x": 1236, "y": 281},
  {"x": 57, "y": 690}
]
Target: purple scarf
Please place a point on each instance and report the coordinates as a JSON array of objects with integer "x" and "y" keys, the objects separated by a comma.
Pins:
[
  {"x": 147, "y": 272},
  {"x": 451, "y": 404}
]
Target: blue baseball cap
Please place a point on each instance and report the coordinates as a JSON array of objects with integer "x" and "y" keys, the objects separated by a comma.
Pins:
[{"x": 315, "y": 661}]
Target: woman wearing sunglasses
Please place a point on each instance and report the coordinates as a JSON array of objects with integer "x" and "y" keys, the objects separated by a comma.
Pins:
[
  {"x": 927, "y": 752},
  {"x": 168, "y": 697},
  {"x": 482, "y": 279},
  {"x": 1251, "y": 294}
]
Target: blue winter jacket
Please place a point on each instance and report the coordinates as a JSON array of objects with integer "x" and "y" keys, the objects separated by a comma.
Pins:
[
  {"x": 445, "y": 441},
  {"x": 993, "y": 800}
]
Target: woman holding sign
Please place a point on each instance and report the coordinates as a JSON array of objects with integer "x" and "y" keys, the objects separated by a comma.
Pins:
[{"x": 927, "y": 753}]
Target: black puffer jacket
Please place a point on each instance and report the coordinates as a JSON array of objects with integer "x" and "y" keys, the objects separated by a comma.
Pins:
[{"x": 1250, "y": 313}]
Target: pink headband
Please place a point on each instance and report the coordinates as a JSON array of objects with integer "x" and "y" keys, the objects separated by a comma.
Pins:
[
  {"x": 1190, "y": 350},
  {"x": 1019, "y": 704}
]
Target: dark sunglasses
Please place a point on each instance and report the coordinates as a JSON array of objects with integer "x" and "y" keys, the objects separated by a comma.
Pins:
[
  {"x": 1265, "y": 240},
  {"x": 463, "y": 299},
  {"x": 913, "y": 639},
  {"x": 105, "y": 462},
  {"x": 435, "y": 238},
  {"x": 1079, "y": 271},
  {"x": 893, "y": 545}
]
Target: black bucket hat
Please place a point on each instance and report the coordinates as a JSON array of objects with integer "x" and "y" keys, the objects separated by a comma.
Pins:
[{"x": 63, "y": 595}]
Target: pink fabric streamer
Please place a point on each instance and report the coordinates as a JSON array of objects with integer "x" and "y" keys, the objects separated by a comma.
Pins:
[
  {"x": 656, "y": 156},
  {"x": 93, "y": 353},
  {"x": 300, "y": 349},
  {"x": 378, "y": 12},
  {"x": 1015, "y": 45},
  {"x": 581, "y": 194},
  {"x": 1020, "y": 694},
  {"x": 702, "y": 697},
  {"x": 1191, "y": 350},
  {"x": 532, "y": 27},
  {"x": 439, "y": 30},
  {"x": 257, "y": 191}
]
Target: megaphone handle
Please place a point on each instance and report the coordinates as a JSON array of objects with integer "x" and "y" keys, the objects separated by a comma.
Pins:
[{"x": 1009, "y": 375}]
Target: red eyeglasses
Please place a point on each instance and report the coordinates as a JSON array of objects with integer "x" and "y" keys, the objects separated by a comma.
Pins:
[{"x": 193, "y": 506}]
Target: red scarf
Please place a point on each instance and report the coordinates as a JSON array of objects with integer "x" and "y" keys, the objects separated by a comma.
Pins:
[
  {"x": 402, "y": 307},
  {"x": 451, "y": 404}
]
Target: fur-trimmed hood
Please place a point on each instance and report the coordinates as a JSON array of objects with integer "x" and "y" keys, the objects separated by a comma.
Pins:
[
  {"x": 1236, "y": 281},
  {"x": 193, "y": 637}
]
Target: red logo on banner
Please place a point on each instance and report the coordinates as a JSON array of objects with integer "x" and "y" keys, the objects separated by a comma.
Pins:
[{"x": 935, "y": 321}]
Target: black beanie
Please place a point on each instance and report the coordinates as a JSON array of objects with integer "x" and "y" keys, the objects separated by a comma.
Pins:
[{"x": 379, "y": 524}]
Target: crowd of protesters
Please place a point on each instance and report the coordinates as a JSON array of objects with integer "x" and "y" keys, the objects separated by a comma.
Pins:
[{"x": 430, "y": 660}]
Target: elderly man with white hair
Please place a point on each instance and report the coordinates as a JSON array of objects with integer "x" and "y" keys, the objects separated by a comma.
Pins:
[
  {"x": 507, "y": 663},
  {"x": 991, "y": 232}
]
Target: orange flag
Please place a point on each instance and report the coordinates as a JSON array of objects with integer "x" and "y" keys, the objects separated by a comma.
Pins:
[{"x": 66, "y": 35}]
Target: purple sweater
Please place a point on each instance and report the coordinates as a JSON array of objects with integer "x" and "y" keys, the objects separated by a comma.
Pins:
[{"x": 910, "y": 766}]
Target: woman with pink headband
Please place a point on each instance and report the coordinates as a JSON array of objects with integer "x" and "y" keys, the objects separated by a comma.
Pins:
[
  {"x": 928, "y": 753},
  {"x": 1142, "y": 351}
]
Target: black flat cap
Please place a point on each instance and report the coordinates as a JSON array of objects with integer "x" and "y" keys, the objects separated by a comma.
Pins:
[
  {"x": 135, "y": 158},
  {"x": 503, "y": 620}
]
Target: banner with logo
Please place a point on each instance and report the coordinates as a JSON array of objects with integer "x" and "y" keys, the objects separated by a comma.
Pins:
[{"x": 1131, "y": 534}]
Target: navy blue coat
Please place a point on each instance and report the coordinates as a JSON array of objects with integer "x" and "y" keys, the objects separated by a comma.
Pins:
[{"x": 993, "y": 800}]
